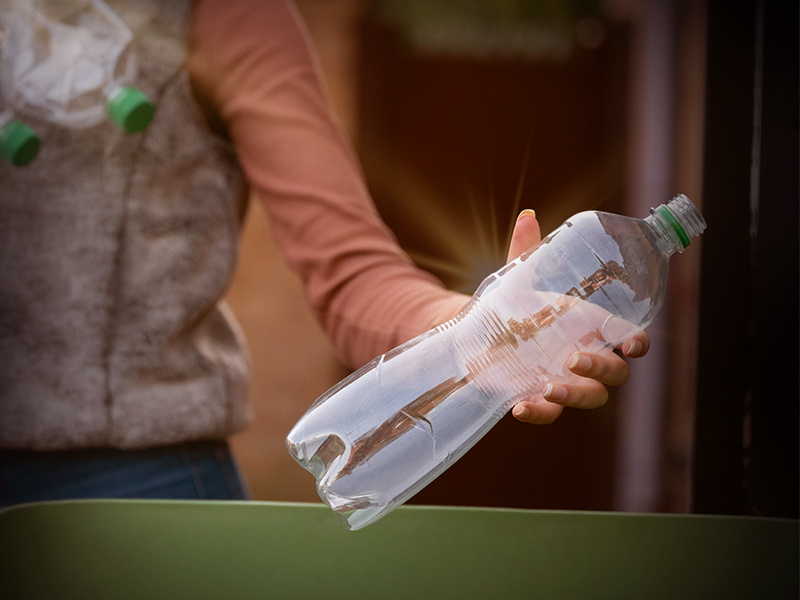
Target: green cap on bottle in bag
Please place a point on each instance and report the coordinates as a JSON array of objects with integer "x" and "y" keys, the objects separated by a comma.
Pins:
[
  {"x": 131, "y": 109},
  {"x": 18, "y": 143}
]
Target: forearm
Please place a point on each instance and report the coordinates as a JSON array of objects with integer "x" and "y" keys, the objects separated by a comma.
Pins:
[{"x": 253, "y": 60}]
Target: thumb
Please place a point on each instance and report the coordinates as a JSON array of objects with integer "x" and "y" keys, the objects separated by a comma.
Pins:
[{"x": 526, "y": 234}]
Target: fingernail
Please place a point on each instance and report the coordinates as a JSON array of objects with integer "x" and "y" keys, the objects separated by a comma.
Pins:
[
  {"x": 580, "y": 362},
  {"x": 633, "y": 348},
  {"x": 528, "y": 212},
  {"x": 555, "y": 392},
  {"x": 521, "y": 412}
]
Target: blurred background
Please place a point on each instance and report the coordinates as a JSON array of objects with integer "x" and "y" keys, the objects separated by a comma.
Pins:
[{"x": 463, "y": 113}]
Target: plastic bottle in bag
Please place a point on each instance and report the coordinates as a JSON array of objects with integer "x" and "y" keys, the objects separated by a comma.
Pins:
[
  {"x": 383, "y": 433},
  {"x": 19, "y": 144},
  {"x": 70, "y": 62}
]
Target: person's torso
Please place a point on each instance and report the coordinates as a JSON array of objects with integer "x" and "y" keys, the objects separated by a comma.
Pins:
[{"x": 114, "y": 251}]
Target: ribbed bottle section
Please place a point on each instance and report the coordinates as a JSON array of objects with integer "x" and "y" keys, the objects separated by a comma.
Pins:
[{"x": 487, "y": 349}]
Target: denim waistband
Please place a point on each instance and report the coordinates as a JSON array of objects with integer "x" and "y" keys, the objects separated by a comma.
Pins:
[{"x": 195, "y": 470}]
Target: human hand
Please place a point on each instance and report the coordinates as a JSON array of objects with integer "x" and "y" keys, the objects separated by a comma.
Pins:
[{"x": 593, "y": 370}]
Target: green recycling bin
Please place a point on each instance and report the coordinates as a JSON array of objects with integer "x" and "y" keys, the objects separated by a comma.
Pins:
[{"x": 117, "y": 549}]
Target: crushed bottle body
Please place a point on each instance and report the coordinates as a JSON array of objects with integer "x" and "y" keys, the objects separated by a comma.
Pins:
[{"x": 389, "y": 429}]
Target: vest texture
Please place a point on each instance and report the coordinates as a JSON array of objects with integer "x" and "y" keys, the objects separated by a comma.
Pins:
[{"x": 114, "y": 252}]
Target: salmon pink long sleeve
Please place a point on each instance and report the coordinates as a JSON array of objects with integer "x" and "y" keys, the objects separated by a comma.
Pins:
[{"x": 254, "y": 61}]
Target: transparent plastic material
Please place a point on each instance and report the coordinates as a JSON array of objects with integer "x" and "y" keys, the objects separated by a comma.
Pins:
[
  {"x": 70, "y": 62},
  {"x": 383, "y": 433}
]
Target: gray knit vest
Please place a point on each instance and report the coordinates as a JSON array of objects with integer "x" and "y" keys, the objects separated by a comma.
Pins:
[{"x": 114, "y": 252}]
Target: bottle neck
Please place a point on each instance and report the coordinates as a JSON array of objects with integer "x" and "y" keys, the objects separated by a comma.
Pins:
[
  {"x": 667, "y": 239},
  {"x": 675, "y": 224}
]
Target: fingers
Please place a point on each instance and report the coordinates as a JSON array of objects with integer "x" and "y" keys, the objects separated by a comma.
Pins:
[
  {"x": 537, "y": 412},
  {"x": 589, "y": 393},
  {"x": 596, "y": 371},
  {"x": 636, "y": 346},
  {"x": 606, "y": 368},
  {"x": 526, "y": 234}
]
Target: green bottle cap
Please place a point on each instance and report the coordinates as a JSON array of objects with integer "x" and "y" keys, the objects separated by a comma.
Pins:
[
  {"x": 131, "y": 109},
  {"x": 18, "y": 143}
]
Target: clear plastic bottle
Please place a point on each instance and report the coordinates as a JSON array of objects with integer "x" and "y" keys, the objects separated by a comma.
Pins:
[
  {"x": 19, "y": 144},
  {"x": 70, "y": 62},
  {"x": 383, "y": 433}
]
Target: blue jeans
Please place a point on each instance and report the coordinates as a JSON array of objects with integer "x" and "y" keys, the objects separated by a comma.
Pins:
[{"x": 198, "y": 470}]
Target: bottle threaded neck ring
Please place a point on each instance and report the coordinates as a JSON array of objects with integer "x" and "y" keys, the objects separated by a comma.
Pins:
[{"x": 683, "y": 218}]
